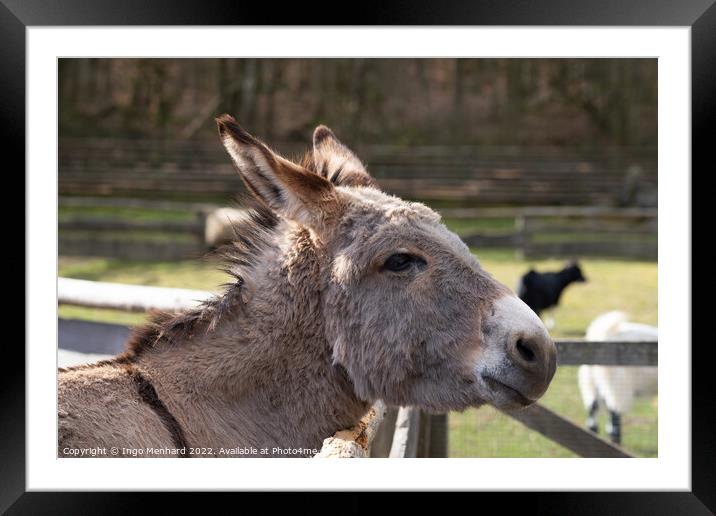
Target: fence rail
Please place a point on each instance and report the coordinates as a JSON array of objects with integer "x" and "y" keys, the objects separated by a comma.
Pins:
[
  {"x": 490, "y": 175},
  {"x": 134, "y": 202},
  {"x": 536, "y": 231},
  {"x": 130, "y": 298},
  {"x": 561, "y": 430},
  {"x": 577, "y": 352},
  {"x": 99, "y": 224},
  {"x": 395, "y": 432}
]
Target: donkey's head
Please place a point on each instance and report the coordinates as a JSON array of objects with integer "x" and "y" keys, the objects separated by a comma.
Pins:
[{"x": 408, "y": 310}]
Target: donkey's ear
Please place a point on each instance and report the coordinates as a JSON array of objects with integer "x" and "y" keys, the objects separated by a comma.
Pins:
[
  {"x": 336, "y": 162},
  {"x": 283, "y": 186}
]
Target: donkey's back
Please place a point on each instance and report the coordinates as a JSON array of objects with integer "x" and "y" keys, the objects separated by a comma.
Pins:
[{"x": 104, "y": 412}]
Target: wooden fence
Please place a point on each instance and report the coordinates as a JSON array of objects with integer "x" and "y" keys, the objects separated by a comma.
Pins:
[
  {"x": 384, "y": 432},
  {"x": 534, "y": 231},
  {"x": 567, "y": 231},
  {"x": 128, "y": 239},
  {"x": 488, "y": 175}
]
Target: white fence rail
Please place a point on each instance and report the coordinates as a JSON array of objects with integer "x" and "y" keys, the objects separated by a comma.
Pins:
[{"x": 131, "y": 298}]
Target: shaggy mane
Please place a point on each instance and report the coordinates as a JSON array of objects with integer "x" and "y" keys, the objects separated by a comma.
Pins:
[{"x": 252, "y": 236}]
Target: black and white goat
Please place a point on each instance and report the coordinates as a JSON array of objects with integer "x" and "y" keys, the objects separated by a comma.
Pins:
[{"x": 541, "y": 290}]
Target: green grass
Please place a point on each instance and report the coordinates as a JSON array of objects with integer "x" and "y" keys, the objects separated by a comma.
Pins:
[{"x": 625, "y": 285}]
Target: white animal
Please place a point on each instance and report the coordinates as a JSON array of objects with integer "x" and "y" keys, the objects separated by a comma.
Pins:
[
  {"x": 616, "y": 386},
  {"x": 220, "y": 225}
]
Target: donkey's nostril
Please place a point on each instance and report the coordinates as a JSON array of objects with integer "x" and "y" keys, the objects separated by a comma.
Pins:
[{"x": 525, "y": 351}]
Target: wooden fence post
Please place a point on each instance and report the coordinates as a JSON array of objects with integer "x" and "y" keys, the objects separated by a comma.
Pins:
[
  {"x": 423, "y": 435},
  {"x": 405, "y": 438},
  {"x": 201, "y": 215},
  {"x": 438, "y": 435},
  {"x": 383, "y": 440}
]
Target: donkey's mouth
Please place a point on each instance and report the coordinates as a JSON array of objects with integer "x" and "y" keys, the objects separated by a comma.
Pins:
[{"x": 511, "y": 393}]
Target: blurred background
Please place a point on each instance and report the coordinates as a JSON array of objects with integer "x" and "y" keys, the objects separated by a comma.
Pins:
[{"x": 533, "y": 162}]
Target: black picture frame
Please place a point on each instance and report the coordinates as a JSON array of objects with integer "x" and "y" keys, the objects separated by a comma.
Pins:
[{"x": 700, "y": 15}]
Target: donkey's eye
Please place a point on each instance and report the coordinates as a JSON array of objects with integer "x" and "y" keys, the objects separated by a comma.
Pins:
[{"x": 401, "y": 261}]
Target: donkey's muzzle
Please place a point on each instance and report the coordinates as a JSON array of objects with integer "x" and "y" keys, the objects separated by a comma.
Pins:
[{"x": 520, "y": 358}]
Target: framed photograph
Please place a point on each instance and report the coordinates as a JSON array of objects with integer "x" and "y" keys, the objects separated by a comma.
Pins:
[{"x": 455, "y": 244}]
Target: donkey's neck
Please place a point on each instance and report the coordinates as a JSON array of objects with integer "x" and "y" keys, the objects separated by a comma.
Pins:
[{"x": 264, "y": 375}]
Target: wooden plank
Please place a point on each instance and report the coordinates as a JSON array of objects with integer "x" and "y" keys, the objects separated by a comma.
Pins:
[
  {"x": 424, "y": 431},
  {"x": 576, "y": 352},
  {"x": 141, "y": 180},
  {"x": 405, "y": 438},
  {"x": 191, "y": 146},
  {"x": 130, "y": 298},
  {"x": 104, "y": 224},
  {"x": 499, "y": 166},
  {"x": 383, "y": 439},
  {"x": 626, "y": 248},
  {"x": 460, "y": 213},
  {"x": 550, "y": 211},
  {"x": 499, "y": 195},
  {"x": 594, "y": 223},
  {"x": 491, "y": 240},
  {"x": 596, "y": 230},
  {"x": 91, "y": 337},
  {"x": 423, "y": 173},
  {"x": 438, "y": 435},
  {"x": 470, "y": 180},
  {"x": 354, "y": 442},
  {"x": 562, "y": 431},
  {"x": 116, "y": 202}
]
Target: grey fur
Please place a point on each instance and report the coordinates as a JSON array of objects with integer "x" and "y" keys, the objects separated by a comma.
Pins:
[{"x": 315, "y": 329}]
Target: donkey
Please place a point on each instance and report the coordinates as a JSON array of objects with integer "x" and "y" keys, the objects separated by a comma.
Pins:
[{"x": 341, "y": 295}]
